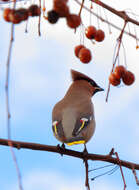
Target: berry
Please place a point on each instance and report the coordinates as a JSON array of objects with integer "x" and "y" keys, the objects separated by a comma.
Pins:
[
  {"x": 53, "y": 16},
  {"x": 73, "y": 21},
  {"x": 34, "y": 10},
  {"x": 6, "y": 13},
  {"x": 128, "y": 78},
  {"x": 77, "y": 49},
  {"x": 100, "y": 35},
  {"x": 85, "y": 55},
  {"x": 61, "y": 8},
  {"x": 114, "y": 80},
  {"x": 119, "y": 71},
  {"x": 23, "y": 13},
  {"x": 15, "y": 17},
  {"x": 90, "y": 32}
]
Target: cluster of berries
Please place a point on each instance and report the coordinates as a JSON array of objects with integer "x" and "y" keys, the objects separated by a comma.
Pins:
[
  {"x": 119, "y": 73},
  {"x": 83, "y": 53},
  {"x": 92, "y": 33},
  {"x": 22, "y": 14},
  {"x": 61, "y": 10}
]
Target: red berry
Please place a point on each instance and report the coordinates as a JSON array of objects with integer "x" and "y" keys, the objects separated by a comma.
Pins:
[
  {"x": 6, "y": 13},
  {"x": 53, "y": 16},
  {"x": 77, "y": 49},
  {"x": 73, "y": 21},
  {"x": 119, "y": 71},
  {"x": 61, "y": 7},
  {"x": 100, "y": 35},
  {"x": 90, "y": 32},
  {"x": 113, "y": 80},
  {"x": 128, "y": 78},
  {"x": 23, "y": 13},
  {"x": 85, "y": 55},
  {"x": 34, "y": 10},
  {"x": 15, "y": 17}
]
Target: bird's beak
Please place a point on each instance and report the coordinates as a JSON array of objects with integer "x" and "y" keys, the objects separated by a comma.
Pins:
[{"x": 99, "y": 89}]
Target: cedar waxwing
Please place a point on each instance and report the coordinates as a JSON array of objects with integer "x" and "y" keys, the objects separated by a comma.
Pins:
[{"x": 73, "y": 120}]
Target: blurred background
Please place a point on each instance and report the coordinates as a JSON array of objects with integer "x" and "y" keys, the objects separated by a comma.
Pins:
[{"x": 40, "y": 76}]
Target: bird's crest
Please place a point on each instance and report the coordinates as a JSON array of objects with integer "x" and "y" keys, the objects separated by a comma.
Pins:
[{"x": 80, "y": 76}]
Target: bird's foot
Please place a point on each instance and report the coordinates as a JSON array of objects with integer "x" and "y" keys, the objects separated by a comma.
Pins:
[{"x": 61, "y": 148}]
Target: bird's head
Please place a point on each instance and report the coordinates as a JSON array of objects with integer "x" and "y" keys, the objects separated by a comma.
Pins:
[{"x": 80, "y": 76}]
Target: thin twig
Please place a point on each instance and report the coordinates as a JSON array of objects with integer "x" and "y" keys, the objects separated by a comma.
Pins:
[
  {"x": 121, "y": 169},
  {"x": 81, "y": 8},
  {"x": 8, "y": 104},
  {"x": 86, "y": 172},
  {"x": 39, "y": 22},
  {"x": 116, "y": 57},
  {"x": 109, "y": 27},
  {"x": 26, "y": 26},
  {"x": 16, "y": 165},
  {"x": 110, "y": 172},
  {"x": 100, "y": 168},
  {"x": 135, "y": 175}
]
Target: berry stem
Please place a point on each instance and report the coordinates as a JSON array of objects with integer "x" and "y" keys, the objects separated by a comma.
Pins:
[
  {"x": 117, "y": 55},
  {"x": 81, "y": 8}
]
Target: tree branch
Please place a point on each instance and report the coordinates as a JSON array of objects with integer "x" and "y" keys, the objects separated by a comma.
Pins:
[
  {"x": 107, "y": 22},
  {"x": 121, "y": 14},
  {"x": 57, "y": 149}
]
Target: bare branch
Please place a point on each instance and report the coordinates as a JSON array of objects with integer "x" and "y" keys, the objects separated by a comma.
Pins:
[
  {"x": 86, "y": 172},
  {"x": 105, "y": 21},
  {"x": 121, "y": 170},
  {"x": 135, "y": 175},
  {"x": 121, "y": 14},
  {"x": 88, "y": 156},
  {"x": 8, "y": 103},
  {"x": 117, "y": 55}
]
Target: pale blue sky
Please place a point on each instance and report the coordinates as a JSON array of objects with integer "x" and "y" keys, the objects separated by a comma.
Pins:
[{"x": 39, "y": 77}]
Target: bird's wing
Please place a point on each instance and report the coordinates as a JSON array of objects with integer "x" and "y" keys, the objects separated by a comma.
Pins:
[
  {"x": 58, "y": 129},
  {"x": 81, "y": 124}
]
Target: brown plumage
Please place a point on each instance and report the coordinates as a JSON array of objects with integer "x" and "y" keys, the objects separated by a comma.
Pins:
[{"x": 73, "y": 116}]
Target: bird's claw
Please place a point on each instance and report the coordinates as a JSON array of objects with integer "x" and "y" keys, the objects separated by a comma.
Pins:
[{"x": 61, "y": 148}]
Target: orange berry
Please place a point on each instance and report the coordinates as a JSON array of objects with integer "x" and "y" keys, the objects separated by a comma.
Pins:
[
  {"x": 90, "y": 32},
  {"x": 119, "y": 71},
  {"x": 114, "y": 80},
  {"x": 128, "y": 78},
  {"x": 100, "y": 35},
  {"x": 85, "y": 55},
  {"x": 61, "y": 8},
  {"x": 77, "y": 49},
  {"x": 6, "y": 13},
  {"x": 73, "y": 21}
]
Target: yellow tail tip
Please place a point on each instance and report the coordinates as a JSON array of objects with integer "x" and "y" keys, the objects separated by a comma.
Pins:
[{"x": 76, "y": 142}]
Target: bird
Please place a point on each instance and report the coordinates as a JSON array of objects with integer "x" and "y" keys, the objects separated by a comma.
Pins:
[{"x": 73, "y": 118}]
